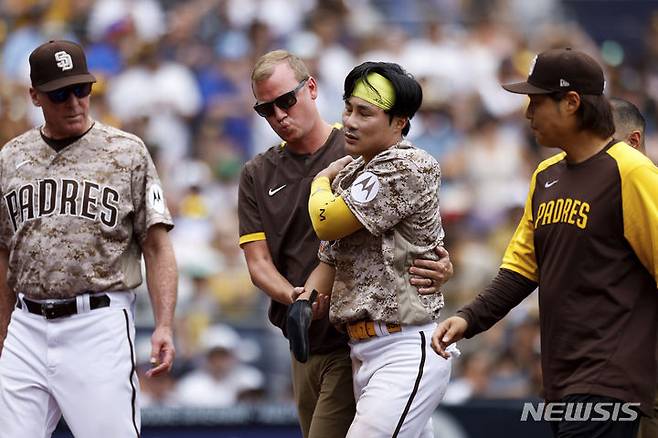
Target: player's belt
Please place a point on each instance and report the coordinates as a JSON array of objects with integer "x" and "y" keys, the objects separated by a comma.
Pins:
[
  {"x": 361, "y": 330},
  {"x": 51, "y": 309}
]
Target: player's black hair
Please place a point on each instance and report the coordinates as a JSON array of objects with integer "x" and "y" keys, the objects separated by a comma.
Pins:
[
  {"x": 627, "y": 118},
  {"x": 628, "y": 114},
  {"x": 408, "y": 93},
  {"x": 594, "y": 113}
]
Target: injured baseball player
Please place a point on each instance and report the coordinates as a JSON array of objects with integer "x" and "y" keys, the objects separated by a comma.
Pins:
[{"x": 374, "y": 215}]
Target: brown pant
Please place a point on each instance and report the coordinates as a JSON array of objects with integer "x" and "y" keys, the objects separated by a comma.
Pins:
[
  {"x": 324, "y": 394},
  {"x": 649, "y": 426}
]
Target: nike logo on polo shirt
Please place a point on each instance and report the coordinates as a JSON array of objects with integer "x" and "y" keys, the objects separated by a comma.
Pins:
[
  {"x": 272, "y": 192},
  {"x": 552, "y": 183}
]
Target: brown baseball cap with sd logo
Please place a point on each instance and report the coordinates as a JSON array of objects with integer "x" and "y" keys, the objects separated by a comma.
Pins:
[
  {"x": 562, "y": 70},
  {"x": 58, "y": 64}
]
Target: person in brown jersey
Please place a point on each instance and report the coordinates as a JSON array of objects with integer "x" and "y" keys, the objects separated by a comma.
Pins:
[
  {"x": 630, "y": 126},
  {"x": 280, "y": 245},
  {"x": 589, "y": 239},
  {"x": 81, "y": 203}
]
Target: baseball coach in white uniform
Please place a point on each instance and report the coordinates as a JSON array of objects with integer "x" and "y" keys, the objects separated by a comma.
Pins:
[{"x": 81, "y": 203}]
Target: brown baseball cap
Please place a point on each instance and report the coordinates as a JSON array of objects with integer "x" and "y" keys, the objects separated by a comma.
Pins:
[
  {"x": 562, "y": 70},
  {"x": 58, "y": 64}
]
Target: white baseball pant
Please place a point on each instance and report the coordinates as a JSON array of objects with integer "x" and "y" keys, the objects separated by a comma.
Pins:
[
  {"x": 398, "y": 383},
  {"x": 81, "y": 366}
]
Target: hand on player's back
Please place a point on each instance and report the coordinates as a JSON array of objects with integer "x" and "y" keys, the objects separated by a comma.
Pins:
[{"x": 429, "y": 275}]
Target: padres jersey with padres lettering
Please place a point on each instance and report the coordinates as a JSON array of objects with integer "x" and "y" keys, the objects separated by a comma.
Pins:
[
  {"x": 589, "y": 239},
  {"x": 396, "y": 198},
  {"x": 73, "y": 221}
]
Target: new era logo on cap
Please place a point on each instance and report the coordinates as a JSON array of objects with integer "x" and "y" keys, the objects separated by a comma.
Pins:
[
  {"x": 562, "y": 70},
  {"x": 58, "y": 64}
]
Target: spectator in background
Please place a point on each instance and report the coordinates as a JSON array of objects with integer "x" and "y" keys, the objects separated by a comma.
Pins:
[
  {"x": 222, "y": 379},
  {"x": 158, "y": 391},
  {"x": 164, "y": 94},
  {"x": 146, "y": 17},
  {"x": 474, "y": 378}
]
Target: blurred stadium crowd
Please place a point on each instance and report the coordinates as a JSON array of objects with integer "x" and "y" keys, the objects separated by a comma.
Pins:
[{"x": 176, "y": 73}]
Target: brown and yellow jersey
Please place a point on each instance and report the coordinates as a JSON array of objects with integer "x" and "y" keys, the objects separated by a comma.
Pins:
[
  {"x": 273, "y": 206},
  {"x": 589, "y": 239}
]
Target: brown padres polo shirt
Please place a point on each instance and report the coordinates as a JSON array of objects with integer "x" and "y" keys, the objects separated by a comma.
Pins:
[
  {"x": 273, "y": 206},
  {"x": 589, "y": 239}
]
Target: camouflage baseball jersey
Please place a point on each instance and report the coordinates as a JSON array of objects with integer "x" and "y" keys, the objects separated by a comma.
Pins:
[
  {"x": 74, "y": 220},
  {"x": 396, "y": 198}
]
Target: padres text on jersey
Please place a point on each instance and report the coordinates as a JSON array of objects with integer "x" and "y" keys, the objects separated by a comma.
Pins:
[{"x": 47, "y": 197}]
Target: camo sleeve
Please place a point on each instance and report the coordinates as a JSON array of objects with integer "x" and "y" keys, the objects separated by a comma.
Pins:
[
  {"x": 148, "y": 198},
  {"x": 394, "y": 185}
]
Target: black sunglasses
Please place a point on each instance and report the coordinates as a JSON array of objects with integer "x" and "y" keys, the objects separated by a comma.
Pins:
[
  {"x": 62, "y": 94},
  {"x": 285, "y": 101}
]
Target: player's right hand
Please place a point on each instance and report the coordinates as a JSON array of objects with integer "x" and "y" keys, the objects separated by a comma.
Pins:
[
  {"x": 321, "y": 306},
  {"x": 448, "y": 332},
  {"x": 332, "y": 170}
]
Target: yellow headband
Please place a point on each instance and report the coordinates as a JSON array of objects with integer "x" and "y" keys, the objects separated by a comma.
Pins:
[{"x": 380, "y": 92}]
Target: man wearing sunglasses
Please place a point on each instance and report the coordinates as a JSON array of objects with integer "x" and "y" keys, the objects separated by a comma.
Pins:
[
  {"x": 81, "y": 202},
  {"x": 280, "y": 245}
]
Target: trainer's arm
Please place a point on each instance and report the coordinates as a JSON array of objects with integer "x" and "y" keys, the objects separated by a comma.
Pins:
[
  {"x": 264, "y": 275},
  {"x": 7, "y": 297},
  {"x": 162, "y": 281}
]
